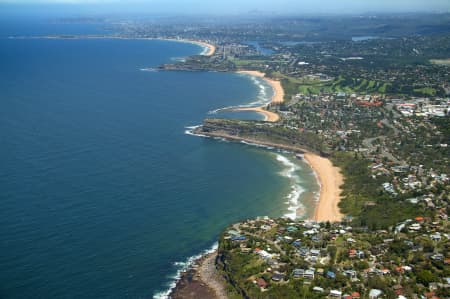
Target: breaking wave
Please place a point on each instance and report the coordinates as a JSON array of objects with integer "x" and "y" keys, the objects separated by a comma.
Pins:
[
  {"x": 190, "y": 131},
  {"x": 182, "y": 267},
  {"x": 264, "y": 96},
  {"x": 290, "y": 171}
]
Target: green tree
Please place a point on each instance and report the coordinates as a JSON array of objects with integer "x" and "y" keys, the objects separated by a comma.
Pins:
[{"x": 425, "y": 277}]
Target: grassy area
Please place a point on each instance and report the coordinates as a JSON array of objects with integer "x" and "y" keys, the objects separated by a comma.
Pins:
[
  {"x": 428, "y": 91},
  {"x": 293, "y": 86},
  {"x": 243, "y": 62},
  {"x": 252, "y": 62},
  {"x": 440, "y": 61},
  {"x": 348, "y": 85},
  {"x": 384, "y": 87}
]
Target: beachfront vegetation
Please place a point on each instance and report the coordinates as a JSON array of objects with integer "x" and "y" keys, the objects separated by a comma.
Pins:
[{"x": 364, "y": 199}]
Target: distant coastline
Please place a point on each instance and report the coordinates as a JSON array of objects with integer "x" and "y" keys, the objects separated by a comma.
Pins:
[{"x": 210, "y": 49}]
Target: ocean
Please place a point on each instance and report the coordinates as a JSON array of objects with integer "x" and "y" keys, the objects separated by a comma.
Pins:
[{"x": 104, "y": 192}]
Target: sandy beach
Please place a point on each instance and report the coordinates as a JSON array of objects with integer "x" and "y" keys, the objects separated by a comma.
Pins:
[
  {"x": 211, "y": 47},
  {"x": 268, "y": 115},
  {"x": 277, "y": 98},
  {"x": 330, "y": 179}
]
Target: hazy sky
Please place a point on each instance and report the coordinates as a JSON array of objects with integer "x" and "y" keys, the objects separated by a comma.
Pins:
[{"x": 245, "y": 6}]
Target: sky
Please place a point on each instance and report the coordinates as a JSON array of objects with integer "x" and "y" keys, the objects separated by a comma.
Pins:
[{"x": 234, "y": 6}]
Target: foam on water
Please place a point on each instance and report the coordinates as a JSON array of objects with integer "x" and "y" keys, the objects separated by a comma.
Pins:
[
  {"x": 205, "y": 50},
  {"x": 148, "y": 69},
  {"x": 215, "y": 111},
  {"x": 263, "y": 98},
  {"x": 257, "y": 145},
  {"x": 182, "y": 267},
  {"x": 190, "y": 131},
  {"x": 290, "y": 171},
  {"x": 178, "y": 59},
  {"x": 316, "y": 194},
  {"x": 293, "y": 198}
]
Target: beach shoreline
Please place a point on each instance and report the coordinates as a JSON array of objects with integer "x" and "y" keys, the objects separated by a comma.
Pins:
[
  {"x": 268, "y": 115},
  {"x": 210, "y": 48},
  {"x": 277, "y": 98},
  {"x": 330, "y": 180},
  {"x": 328, "y": 176}
]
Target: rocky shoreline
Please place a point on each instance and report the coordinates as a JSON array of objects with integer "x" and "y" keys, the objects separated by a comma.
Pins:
[{"x": 201, "y": 281}]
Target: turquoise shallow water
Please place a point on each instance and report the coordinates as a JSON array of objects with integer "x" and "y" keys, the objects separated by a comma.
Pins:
[{"x": 102, "y": 192}]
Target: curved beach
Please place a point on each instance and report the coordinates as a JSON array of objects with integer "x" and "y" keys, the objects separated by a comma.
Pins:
[
  {"x": 268, "y": 115},
  {"x": 277, "y": 98},
  {"x": 210, "y": 48}
]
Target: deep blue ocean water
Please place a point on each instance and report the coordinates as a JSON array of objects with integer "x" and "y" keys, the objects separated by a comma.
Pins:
[{"x": 102, "y": 192}]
